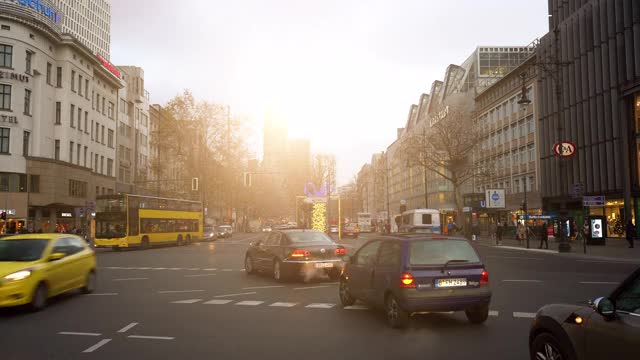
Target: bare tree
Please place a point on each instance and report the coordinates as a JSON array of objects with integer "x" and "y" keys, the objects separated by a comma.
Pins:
[
  {"x": 323, "y": 171},
  {"x": 445, "y": 146}
]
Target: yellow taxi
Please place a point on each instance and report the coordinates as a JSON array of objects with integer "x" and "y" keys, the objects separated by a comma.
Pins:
[{"x": 36, "y": 267}]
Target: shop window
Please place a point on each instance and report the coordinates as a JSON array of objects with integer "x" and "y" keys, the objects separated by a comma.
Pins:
[
  {"x": 34, "y": 183},
  {"x": 5, "y": 136}
]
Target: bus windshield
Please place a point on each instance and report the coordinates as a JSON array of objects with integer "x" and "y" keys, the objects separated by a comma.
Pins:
[
  {"x": 111, "y": 225},
  {"x": 111, "y": 204}
]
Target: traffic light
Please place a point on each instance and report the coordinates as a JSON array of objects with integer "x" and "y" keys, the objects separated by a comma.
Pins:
[{"x": 3, "y": 215}]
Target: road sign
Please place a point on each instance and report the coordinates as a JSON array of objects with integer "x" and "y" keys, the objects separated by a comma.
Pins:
[
  {"x": 495, "y": 199},
  {"x": 593, "y": 201},
  {"x": 565, "y": 149},
  {"x": 537, "y": 217},
  {"x": 483, "y": 204}
]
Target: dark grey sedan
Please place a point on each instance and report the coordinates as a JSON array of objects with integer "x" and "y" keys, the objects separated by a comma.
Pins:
[
  {"x": 290, "y": 253},
  {"x": 409, "y": 274},
  {"x": 608, "y": 328}
]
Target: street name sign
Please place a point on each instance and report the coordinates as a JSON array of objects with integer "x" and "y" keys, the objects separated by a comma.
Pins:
[{"x": 593, "y": 201}]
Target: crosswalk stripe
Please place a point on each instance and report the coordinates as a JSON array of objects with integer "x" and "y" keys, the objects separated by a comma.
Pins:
[
  {"x": 217, "y": 302},
  {"x": 493, "y": 313},
  {"x": 524, "y": 315},
  {"x": 249, "y": 303},
  {"x": 320, "y": 306},
  {"x": 283, "y": 304},
  {"x": 190, "y": 301}
]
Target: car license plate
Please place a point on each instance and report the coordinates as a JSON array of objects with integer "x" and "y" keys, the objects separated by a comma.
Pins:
[
  {"x": 324, "y": 265},
  {"x": 448, "y": 283}
]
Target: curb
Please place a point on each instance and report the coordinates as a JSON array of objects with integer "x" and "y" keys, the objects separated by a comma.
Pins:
[{"x": 568, "y": 255}]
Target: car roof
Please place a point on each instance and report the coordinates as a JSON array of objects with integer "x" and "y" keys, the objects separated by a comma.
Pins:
[
  {"x": 48, "y": 236},
  {"x": 286, "y": 231},
  {"x": 422, "y": 237}
]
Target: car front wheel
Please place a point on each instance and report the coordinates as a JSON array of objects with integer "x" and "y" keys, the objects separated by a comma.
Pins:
[
  {"x": 279, "y": 274},
  {"x": 248, "y": 265},
  {"x": 545, "y": 346},
  {"x": 478, "y": 314},
  {"x": 39, "y": 298},
  {"x": 90, "y": 283},
  {"x": 345, "y": 296}
]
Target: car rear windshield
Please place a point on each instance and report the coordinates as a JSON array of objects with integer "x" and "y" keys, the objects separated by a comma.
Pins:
[
  {"x": 309, "y": 237},
  {"x": 438, "y": 252},
  {"x": 22, "y": 250}
]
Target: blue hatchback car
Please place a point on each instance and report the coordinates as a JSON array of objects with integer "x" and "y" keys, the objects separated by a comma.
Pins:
[{"x": 409, "y": 274}]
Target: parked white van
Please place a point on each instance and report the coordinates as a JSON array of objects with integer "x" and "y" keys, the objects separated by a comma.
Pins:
[{"x": 421, "y": 220}]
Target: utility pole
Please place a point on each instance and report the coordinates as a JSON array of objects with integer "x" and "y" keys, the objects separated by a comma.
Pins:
[{"x": 424, "y": 167}]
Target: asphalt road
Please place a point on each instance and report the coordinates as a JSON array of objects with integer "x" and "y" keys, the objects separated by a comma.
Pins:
[{"x": 196, "y": 302}]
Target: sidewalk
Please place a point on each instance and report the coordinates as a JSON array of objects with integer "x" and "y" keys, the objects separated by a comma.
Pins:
[{"x": 614, "y": 250}]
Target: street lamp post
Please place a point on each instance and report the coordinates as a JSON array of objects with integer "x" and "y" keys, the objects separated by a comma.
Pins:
[{"x": 524, "y": 103}]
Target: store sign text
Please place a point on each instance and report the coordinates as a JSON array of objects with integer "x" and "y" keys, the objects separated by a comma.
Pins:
[
  {"x": 439, "y": 116},
  {"x": 109, "y": 66},
  {"x": 8, "y": 119},
  {"x": 44, "y": 9},
  {"x": 14, "y": 76},
  {"x": 64, "y": 214},
  {"x": 564, "y": 149}
]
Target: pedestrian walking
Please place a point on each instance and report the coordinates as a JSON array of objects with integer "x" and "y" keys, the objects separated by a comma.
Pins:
[
  {"x": 543, "y": 234},
  {"x": 499, "y": 233},
  {"x": 520, "y": 233},
  {"x": 493, "y": 228},
  {"x": 631, "y": 231}
]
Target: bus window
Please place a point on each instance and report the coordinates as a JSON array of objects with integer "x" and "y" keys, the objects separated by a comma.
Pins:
[{"x": 426, "y": 219}]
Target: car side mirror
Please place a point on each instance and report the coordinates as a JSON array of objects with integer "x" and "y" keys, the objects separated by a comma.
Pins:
[
  {"x": 605, "y": 307},
  {"x": 56, "y": 256}
]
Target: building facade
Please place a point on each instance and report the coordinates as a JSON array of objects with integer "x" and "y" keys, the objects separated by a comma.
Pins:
[
  {"x": 591, "y": 58},
  {"x": 57, "y": 124},
  {"x": 508, "y": 147},
  {"x": 89, "y": 21}
]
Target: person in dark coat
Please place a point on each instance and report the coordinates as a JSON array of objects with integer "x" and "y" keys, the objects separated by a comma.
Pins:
[
  {"x": 631, "y": 231},
  {"x": 499, "y": 232},
  {"x": 543, "y": 235}
]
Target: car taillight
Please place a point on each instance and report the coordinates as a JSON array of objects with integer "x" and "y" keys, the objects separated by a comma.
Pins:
[
  {"x": 407, "y": 281},
  {"x": 341, "y": 251},
  {"x": 300, "y": 253},
  {"x": 484, "y": 278}
]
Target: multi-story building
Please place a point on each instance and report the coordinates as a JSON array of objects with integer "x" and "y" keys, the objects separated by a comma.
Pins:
[
  {"x": 462, "y": 83},
  {"x": 57, "y": 122},
  {"x": 592, "y": 54},
  {"x": 508, "y": 146},
  {"x": 133, "y": 133},
  {"x": 89, "y": 21}
]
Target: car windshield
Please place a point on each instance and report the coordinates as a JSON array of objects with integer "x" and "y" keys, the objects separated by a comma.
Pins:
[
  {"x": 438, "y": 252},
  {"x": 22, "y": 250},
  {"x": 309, "y": 237}
]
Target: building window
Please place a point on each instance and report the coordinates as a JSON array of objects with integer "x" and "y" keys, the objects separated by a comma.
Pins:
[
  {"x": 59, "y": 77},
  {"x": 27, "y": 102},
  {"x": 25, "y": 143},
  {"x": 91, "y": 129},
  {"x": 78, "y": 188},
  {"x": 73, "y": 80},
  {"x": 84, "y": 158},
  {"x": 4, "y": 140},
  {"x": 123, "y": 106},
  {"x": 103, "y": 107},
  {"x": 6, "y": 56},
  {"x": 34, "y": 183},
  {"x": 531, "y": 125},
  {"x": 58, "y": 113},
  {"x": 532, "y": 152},
  {"x": 517, "y": 186},
  {"x": 110, "y": 138},
  {"x": 57, "y": 150},
  {"x": 102, "y": 135},
  {"x": 109, "y": 167},
  {"x": 71, "y": 146},
  {"x": 86, "y": 88},
  {"x": 72, "y": 115},
  {"x": 5, "y": 97},
  {"x": 79, "y": 147},
  {"x": 49, "y": 69},
  {"x": 532, "y": 183},
  {"x": 95, "y": 164},
  {"x": 102, "y": 165},
  {"x": 111, "y": 110},
  {"x": 523, "y": 130},
  {"x": 86, "y": 122},
  {"x": 80, "y": 85},
  {"x": 27, "y": 60},
  {"x": 79, "y": 118}
]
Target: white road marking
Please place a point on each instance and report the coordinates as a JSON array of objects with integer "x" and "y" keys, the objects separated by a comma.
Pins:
[
  {"x": 130, "y": 279},
  {"x": 144, "y": 268},
  {"x": 113, "y": 267},
  {"x": 599, "y": 283},
  {"x": 218, "y": 302},
  {"x": 159, "y": 269},
  {"x": 263, "y": 287},
  {"x": 531, "y": 281},
  {"x": 524, "y": 315},
  {"x": 190, "y": 301},
  {"x": 249, "y": 303},
  {"x": 193, "y": 269},
  {"x": 320, "y": 306},
  {"x": 210, "y": 269},
  {"x": 513, "y": 257},
  {"x": 104, "y": 294},
  {"x": 227, "y": 270},
  {"x": 312, "y": 287},
  {"x": 178, "y": 291},
  {"x": 128, "y": 327},
  {"x": 97, "y": 346},
  {"x": 283, "y": 304},
  {"x": 151, "y": 337},
  {"x": 78, "y": 333},
  {"x": 356, "y": 307},
  {"x": 175, "y": 269},
  {"x": 200, "y": 275},
  {"x": 494, "y": 313},
  {"x": 239, "y": 294}
]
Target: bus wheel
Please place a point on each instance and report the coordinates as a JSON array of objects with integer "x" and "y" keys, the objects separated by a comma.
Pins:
[
  {"x": 180, "y": 241},
  {"x": 188, "y": 239},
  {"x": 145, "y": 243}
]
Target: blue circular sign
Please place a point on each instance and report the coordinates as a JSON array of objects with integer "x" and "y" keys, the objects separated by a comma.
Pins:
[{"x": 495, "y": 197}]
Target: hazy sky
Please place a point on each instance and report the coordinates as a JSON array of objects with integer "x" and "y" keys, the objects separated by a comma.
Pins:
[{"x": 342, "y": 73}]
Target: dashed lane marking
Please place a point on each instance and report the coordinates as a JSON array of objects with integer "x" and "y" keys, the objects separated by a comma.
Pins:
[
  {"x": 189, "y": 301},
  {"x": 320, "y": 306},
  {"x": 283, "y": 304},
  {"x": 78, "y": 333},
  {"x": 130, "y": 279},
  {"x": 356, "y": 307},
  {"x": 239, "y": 294},
  {"x": 599, "y": 283},
  {"x": 178, "y": 291},
  {"x": 218, "y": 302},
  {"x": 263, "y": 287},
  {"x": 210, "y": 269},
  {"x": 200, "y": 275},
  {"x": 104, "y": 294},
  {"x": 150, "y": 337},
  {"x": 227, "y": 270},
  {"x": 513, "y": 257},
  {"x": 249, "y": 303},
  {"x": 128, "y": 327},
  {"x": 312, "y": 287},
  {"x": 524, "y": 315},
  {"x": 97, "y": 346}
]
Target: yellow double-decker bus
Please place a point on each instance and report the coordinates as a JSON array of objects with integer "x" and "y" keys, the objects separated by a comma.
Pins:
[{"x": 124, "y": 221}]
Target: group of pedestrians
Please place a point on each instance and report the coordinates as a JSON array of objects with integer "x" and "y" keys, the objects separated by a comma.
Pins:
[{"x": 498, "y": 228}]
